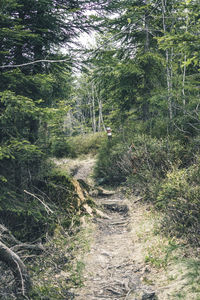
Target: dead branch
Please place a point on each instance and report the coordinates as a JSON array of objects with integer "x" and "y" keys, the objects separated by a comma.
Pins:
[
  {"x": 7, "y": 238},
  {"x": 13, "y": 261},
  {"x": 36, "y": 62},
  {"x": 24, "y": 246},
  {"x": 48, "y": 210},
  {"x": 137, "y": 200}
]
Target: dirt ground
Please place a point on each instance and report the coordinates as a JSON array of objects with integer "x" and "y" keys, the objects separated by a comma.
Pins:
[{"x": 110, "y": 268}]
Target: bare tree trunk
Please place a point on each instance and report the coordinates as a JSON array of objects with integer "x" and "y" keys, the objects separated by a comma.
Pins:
[
  {"x": 183, "y": 83},
  {"x": 91, "y": 116},
  {"x": 146, "y": 18},
  {"x": 168, "y": 67},
  {"x": 93, "y": 110},
  {"x": 184, "y": 67},
  {"x": 101, "y": 121},
  {"x": 68, "y": 123},
  {"x": 22, "y": 279}
]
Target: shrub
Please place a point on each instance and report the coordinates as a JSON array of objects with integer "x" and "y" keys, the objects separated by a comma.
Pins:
[
  {"x": 77, "y": 145},
  {"x": 140, "y": 163},
  {"x": 179, "y": 198},
  {"x": 87, "y": 143},
  {"x": 107, "y": 169},
  {"x": 60, "y": 147}
]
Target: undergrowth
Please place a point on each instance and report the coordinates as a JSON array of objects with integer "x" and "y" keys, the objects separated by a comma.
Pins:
[
  {"x": 163, "y": 171},
  {"x": 77, "y": 145},
  {"x": 59, "y": 271},
  {"x": 171, "y": 265}
]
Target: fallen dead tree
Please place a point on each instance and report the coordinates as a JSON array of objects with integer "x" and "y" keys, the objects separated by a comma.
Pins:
[
  {"x": 15, "y": 245},
  {"x": 20, "y": 273},
  {"x": 9, "y": 246}
]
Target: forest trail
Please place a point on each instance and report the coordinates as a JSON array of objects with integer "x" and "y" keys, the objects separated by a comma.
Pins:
[{"x": 110, "y": 268}]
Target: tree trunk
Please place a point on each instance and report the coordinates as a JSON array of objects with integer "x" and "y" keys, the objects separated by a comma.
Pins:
[
  {"x": 183, "y": 83},
  {"x": 184, "y": 67},
  {"x": 101, "y": 121},
  {"x": 93, "y": 110},
  {"x": 168, "y": 69},
  {"x": 146, "y": 18}
]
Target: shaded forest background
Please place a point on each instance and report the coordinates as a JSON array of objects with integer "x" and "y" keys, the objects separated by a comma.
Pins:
[{"x": 141, "y": 78}]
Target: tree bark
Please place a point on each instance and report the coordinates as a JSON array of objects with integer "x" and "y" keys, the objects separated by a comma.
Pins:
[
  {"x": 184, "y": 67},
  {"x": 146, "y": 18},
  {"x": 168, "y": 67},
  {"x": 101, "y": 121},
  {"x": 93, "y": 109}
]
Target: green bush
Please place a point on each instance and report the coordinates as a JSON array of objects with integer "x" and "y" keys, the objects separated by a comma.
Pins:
[
  {"x": 164, "y": 171},
  {"x": 107, "y": 169},
  {"x": 49, "y": 196},
  {"x": 87, "y": 143},
  {"x": 178, "y": 197},
  {"x": 60, "y": 147},
  {"x": 151, "y": 159},
  {"x": 140, "y": 163},
  {"x": 77, "y": 145}
]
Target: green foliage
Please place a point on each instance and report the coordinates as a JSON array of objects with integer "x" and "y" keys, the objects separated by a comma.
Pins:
[
  {"x": 179, "y": 198},
  {"x": 60, "y": 147},
  {"x": 139, "y": 161},
  {"x": 107, "y": 168},
  {"x": 86, "y": 144},
  {"x": 77, "y": 145},
  {"x": 60, "y": 189},
  {"x": 164, "y": 171}
]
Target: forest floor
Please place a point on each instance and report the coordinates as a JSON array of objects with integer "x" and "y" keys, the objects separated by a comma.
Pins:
[{"x": 128, "y": 257}]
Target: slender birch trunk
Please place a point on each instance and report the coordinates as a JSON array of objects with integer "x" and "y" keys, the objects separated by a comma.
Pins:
[
  {"x": 168, "y": 63},
  {"x": 93, "y": 110},
  {"x": 146, "y": 18},
  {"x": 184, "y": 68},
  {"x": 183, "y": 83},
  {"x": 101, "y": 121}
]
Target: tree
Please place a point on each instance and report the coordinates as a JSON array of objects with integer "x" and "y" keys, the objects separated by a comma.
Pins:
[{"x": 29, "y": 96}]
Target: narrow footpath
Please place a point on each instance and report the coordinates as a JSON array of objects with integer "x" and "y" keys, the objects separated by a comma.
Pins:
[{"x": 110, "y": 269}]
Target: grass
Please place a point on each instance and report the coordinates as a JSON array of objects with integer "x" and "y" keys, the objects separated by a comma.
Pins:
[
  {"x": 60, "y": 269},
  {"x": 174, "y": 266}
]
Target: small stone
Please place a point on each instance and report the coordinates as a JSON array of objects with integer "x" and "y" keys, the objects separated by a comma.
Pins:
[{"x": 149, "y": 296}]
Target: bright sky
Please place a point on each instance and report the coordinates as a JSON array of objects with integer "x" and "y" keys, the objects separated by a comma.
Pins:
[{"x": 87, "y": 40}]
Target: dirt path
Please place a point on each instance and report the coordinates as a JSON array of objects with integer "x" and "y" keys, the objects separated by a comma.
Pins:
[{"x": 110, "y": 270}]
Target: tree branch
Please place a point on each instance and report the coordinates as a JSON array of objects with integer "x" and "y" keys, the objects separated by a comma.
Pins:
[
  {"x": 48, "y": 210},
  {"x": 35, "y": 62}
]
